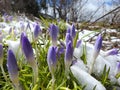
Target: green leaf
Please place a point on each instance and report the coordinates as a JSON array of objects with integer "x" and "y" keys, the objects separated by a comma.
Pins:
[
  {"x": 117, "y": 75},
  {"x": 84, "y": 58},
  {"x": 76, "y": 38},
  {"x": 95, "y": 87}
]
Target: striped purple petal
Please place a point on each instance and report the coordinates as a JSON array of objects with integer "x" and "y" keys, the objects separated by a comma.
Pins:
[
  {"x": 51, "y": 59},
  {"x": 73, "y": 31},
  {"x": 68, "y": 58},
  {"x": 69, "y": 52},
  {"x": 68, "y": 30},
  {"x": 98, "y": 43},
  {"x": 12, "y": 63},
  {"x": 68, "y": 38},
  {"x": 78, "y": 43},
  {"x": 22, "y": 35},
  {"x": 27, "y": 50},
  {"x": 118, "y": 67},
  {"x": 22, "y": 26},
  {"x": 112, "y": 52},
  {"x": 37, "y": 31},
  {"x": 53, "y": 33}
]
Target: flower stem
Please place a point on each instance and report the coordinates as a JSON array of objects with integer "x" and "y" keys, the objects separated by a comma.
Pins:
[
  {"x": 35, "y": 74},
  {"x": 53, "y": 82},
  {"x": 3, "y": 72},
  {"x": 91, "y": 68}
]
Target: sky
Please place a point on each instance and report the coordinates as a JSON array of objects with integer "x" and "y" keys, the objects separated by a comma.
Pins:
[{"x": 93, "y": 5}]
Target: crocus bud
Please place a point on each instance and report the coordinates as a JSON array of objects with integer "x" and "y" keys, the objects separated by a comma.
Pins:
[
  {"x": 68, "y": 57},
  {"x": 117, "y": 71},
  {"x": 53, "y": 34},
  {"x": 78, "y": 43},
  {"x": 118, "y": 66},
  {"x": 68, "y": 38},
  {"x": 27, "y": 50},
  {"x": 12, "y": 68},
  {"x": 59, "y": 50},
  {"x": 1, "y": 54},
  {"x": 22, "y": 35},
  {"x": 37, "y": 31},
  {"x": 22, "y": 26},
  {"x": 28, "y": 25},
  {"x": 73, "y": 31},
  {"x": 97, "y": 47},
  {"x": 68, "y": 30},
  {"x": 51, "y": 59},
  {"x": 112, "y": 52}
]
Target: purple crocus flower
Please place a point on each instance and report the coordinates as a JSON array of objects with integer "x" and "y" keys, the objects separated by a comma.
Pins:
[
  {"x": 51, "y": 60},
  {"x": 112, "y": 52},
  {"x": 1, "y": 54},
  {"x": 59, "y": 50},
  {"x": 10, "y": 30},
  {"x": 22, "y": 35},
  {"x": 78, "y": 43},
  {"x": 73, "y": 33},
  {"x": 28, "y": 25},
  {"x": 27, "y": 50},
  {"x": 68, "y": 57},
  {"x": 10, "y": 18},
  {"x": 117, "y": 68},
  {"x": 22, "y": 26},
  {"x": 53, "y": 33},
  {"x": 68, "y": 38},
  {"x": 37, "y": 31},
  {"x": 12, "y": 67},
  {"x": 97, "y": 47},
  {"x": 68, "y": 30}
]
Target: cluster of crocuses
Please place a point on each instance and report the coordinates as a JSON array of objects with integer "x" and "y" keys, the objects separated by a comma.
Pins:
[
  {"x": 29, "y": 55},
  {"x": 51, "y": 57},
  {"x": 66, "y": 48}
]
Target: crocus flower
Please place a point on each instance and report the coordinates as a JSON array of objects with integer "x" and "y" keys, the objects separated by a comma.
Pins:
[
  {"x": 53, "y": 34},
  {"x": 10, "y": 30},
  {"x": 112, "y": 52},
  {"x": 12, "y": 68},
  {"x": 28, "y": 52},
  {"x": 22, "y": 35},
  {"x": 37, "y": 31},
  {"x": 68, "y": 57},
  {"x": 51, "y": 59},
  {"x": 1, "y": 54},
  {"x": 97, "y": 47},
  {"x": 117, "y": 68},
  {"x": 10, "y": 18},
  {"x": 68, "y": 38},
  {"x": 28, "y": 26},
  {"x": 59, "y": 50},
  {"x": 22, "y": 26},
  {"x": 78, "y": 43},
  {"x": 68, "y": 30},
  {"x": 73, "y": 33}
]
